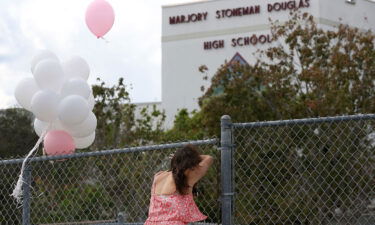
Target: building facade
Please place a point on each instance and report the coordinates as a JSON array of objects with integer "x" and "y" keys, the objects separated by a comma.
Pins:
[{"x": 211, "y": 32}]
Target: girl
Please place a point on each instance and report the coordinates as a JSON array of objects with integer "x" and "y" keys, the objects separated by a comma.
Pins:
[{"x": 172, "y": 200}]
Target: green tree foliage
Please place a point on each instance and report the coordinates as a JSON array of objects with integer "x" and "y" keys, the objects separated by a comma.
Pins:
[
  {"x": 17, "y": 135},
  {"x": 187, "y": 126},
  {"x": 308, "y": 72},
  {"x": 115, "y": 114},
  {"x": 118, "y": 125}
]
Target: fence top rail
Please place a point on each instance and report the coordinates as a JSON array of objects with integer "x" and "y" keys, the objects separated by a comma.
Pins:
[
  {"x": 305, "y": 121},
  {"x": 111, "y": 152}
]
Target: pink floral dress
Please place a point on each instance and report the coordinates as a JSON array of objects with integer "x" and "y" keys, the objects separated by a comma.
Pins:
[{"x": 173, "y": 209}]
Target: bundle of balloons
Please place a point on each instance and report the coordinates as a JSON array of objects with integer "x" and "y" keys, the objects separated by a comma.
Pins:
[{"x": 62, "y": 102}]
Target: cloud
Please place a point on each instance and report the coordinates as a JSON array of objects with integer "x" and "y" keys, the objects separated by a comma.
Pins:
[
  {"x": 7, "y": 84},
  {"x": 6, "y": 101}
]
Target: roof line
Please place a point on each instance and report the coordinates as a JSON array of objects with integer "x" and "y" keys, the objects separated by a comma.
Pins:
[{"x": 187, "y": 3}]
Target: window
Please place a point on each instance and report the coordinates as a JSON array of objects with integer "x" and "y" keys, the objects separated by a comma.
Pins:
[{"x": 239, "y": 59}]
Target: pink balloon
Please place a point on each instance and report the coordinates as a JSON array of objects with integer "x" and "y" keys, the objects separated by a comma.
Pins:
[
  {"x": 58, "y": 142},
  {"x": 100, "y": 17}
]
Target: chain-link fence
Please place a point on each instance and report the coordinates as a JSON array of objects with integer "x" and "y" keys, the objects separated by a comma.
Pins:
[
  {"x": 105, "y": 187},
  {"x": 308, "y": 171}
]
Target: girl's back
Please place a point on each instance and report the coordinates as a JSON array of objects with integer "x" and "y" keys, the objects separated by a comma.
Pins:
[
  {"x": 168, "y": 205},
  {"x": 164, "y": 183}
]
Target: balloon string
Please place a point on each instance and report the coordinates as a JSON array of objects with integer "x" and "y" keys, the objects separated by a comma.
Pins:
[
  {"x": 17, "y": 192},
  {"x": 106, "y": 41}
]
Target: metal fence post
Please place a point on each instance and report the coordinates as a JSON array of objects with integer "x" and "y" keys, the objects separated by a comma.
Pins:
[
  {"x": 120, "y": 218},
  {"x": 226, "y": 171},
  {"x": 26, "y": 194}
]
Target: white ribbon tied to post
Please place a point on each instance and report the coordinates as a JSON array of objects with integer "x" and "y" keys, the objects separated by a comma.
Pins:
[{"x": 17, "y": 191}]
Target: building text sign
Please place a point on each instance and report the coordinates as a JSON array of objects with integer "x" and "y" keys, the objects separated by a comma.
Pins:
[
  {"x": 239, "y": 41},
  {"x": 239, "y": 11}
]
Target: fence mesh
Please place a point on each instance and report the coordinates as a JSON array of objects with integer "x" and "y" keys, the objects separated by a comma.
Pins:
[
  {"x": 96, "y": 189},
  {"x": 309, "y": 173},
  {"x": 10, "y": 212}
]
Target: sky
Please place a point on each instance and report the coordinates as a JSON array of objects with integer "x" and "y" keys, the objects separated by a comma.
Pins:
[{"x": 132, "y": 48}]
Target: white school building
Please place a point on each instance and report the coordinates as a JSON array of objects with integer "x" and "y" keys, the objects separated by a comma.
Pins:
[{"x": 210, "y": 32}]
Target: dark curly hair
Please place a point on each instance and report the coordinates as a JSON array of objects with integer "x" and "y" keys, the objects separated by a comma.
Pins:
[{"x": 185, "y": 158}]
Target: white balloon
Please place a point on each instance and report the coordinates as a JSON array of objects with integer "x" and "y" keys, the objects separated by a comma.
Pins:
[
  {"x": 40, "y": 126},
  {"x": 85, "y": 128},
  {"x": 76, "y": 86},
  {"x": 57, "y": 125},
  {"x": 76, "y": 67},
  {"x": 85, "y": 141},
  {"x": 44, "y": 105},
  {"x": 91, "y": 101},
  {"x": 42, "y": 54},
  {"x": 24, "y": 92},
  {"x": 49, "y": 74},
  {"x": 73, "y": 110}
]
